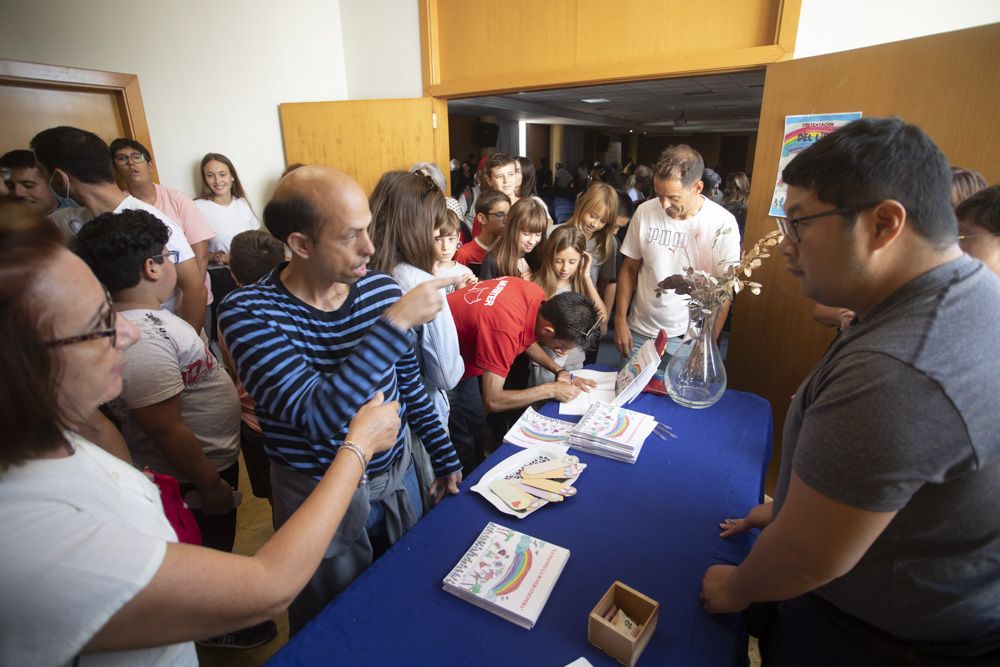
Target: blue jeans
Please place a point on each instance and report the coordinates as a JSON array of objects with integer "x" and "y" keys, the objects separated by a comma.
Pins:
[{"x": 638, "y": 340}]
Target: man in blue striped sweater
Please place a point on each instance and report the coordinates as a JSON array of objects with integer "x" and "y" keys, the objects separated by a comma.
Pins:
[{"x": 314, "y": 341}]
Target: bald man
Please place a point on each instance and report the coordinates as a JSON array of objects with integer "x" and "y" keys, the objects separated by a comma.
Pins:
[{"x": 313, "y": 342}]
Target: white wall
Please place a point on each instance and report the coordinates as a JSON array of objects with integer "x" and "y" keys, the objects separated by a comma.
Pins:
[
  {"x": 826, "y": 26},
  {"x": 382, "y": 48},
  {"x": 212, "y": 73}
]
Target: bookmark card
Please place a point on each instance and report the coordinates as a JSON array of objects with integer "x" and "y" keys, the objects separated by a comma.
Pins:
[
  {"x": 514, "y": 495},
  {"x": 562, "y": 489},
  {"x": 537, "y": 430},
  {"x": 546, "y": 466},
  {"x": 540, "y": 493},
  {"x": 510, "y": 470}
]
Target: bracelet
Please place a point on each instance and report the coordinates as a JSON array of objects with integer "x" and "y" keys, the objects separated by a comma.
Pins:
[{"x": 360, "y": 453}]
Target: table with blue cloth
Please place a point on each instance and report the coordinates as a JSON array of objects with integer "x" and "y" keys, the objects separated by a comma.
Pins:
[{"x": 654, "y": 525}]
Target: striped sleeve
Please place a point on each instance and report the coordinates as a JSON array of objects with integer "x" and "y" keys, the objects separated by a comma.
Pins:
[{"x": 283, "y": 383}]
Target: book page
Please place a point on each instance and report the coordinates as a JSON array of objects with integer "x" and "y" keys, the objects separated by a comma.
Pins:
[{"x": 604, "y": 392}]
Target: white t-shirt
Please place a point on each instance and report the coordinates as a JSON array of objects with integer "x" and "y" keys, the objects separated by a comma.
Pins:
[
  {"x": 170, "y": 359},
  {"x": 667, "y": 247},
  {"x": 82, "y": 535},
  {"x": 177, "y": 240},
  {"x": 227, "y": 221}
]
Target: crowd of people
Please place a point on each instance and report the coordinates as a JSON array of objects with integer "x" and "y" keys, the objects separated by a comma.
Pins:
[{"x": 366, "y": 353}]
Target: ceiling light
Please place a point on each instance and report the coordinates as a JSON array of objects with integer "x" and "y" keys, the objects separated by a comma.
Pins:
[{"x": 595, "y": 100}]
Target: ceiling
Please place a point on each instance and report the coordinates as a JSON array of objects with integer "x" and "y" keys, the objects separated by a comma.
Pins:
[{"x": 716, "y": 103}]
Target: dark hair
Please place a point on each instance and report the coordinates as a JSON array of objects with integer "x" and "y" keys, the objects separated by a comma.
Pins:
[
  {"x": 116, "y": 246},
  {"x": 736, "y": 191},
  {"x": 682, "y": 162},
  {"x": 404, "y": 206},
  {"x": 626, "y": 208},
  {"x": 572, "y": 316},
  {"x": 30, "y": 415},
  {"x": 528, "y": 186},
  {"x": 487, "y": 199},
  {"x": 526, "y": 215},
  {"x": 81, "y": 154},
  {"x": 289, "y": 169},
  {"x": 964, "y": 184},
  {"x": 125, "y": 142},
  {"x": 21, "y": 158},
  {"x": 253, "y": 254},
  {"x": 498, "y": 160},
  {"x": 982, "y": 209},
  {"x": 873, "y": 159},
  {"x": 711, "y": 179},
  {"x": 284, "y": 217},
  {"x": 449, "y": 224},
  {"x": 206, "y": 192}
]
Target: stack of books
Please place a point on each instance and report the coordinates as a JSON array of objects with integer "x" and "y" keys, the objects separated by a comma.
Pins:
[
  {"x": 612, "y": 431},
  {"x": 508, "y": 573}
]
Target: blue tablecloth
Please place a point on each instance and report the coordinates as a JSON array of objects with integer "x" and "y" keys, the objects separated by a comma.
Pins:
[{"x": 653, "y": 525}]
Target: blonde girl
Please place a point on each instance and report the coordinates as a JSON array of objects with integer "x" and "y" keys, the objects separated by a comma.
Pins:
[
  {"x": 514, "y": 253},
  {"x": 595, "y": 215},
  {"x": 565, "y": 267}
]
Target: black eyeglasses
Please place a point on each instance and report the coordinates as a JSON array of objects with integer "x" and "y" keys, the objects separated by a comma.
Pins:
[
  {"x": 110, "y": 330},
  {"x": 174, "y": 256},
  {"x": 134, "y": 158},
  {"x": 499, "y": 215},
  {"x": 790, "y": 226}
]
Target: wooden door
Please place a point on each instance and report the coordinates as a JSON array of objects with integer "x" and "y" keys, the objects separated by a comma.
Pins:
[
  {"x": 35, "y": 97},
  {"x": 947, "y": 84},
  {"x": 366, "y": 138}
]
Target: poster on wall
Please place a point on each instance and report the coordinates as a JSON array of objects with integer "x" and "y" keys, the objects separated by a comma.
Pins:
[{"x": 800, "y": 133}]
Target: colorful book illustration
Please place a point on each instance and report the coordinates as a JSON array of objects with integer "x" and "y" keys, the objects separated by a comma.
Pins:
[
  {"x": 493, "y": 487},
  {"x": 622, "y": 387},
  {"x": 537, "y": 430},
  {"x": 508, "y": 573},
  {"x": 612, "y": 431}
]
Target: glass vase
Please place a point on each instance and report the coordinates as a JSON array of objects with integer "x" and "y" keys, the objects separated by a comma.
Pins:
[{"x": 695, "y": 375}]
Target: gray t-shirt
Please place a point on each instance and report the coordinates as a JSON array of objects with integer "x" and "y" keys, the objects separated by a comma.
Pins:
[
  {"x": 171, "y": 359},
  {"x": 901, "y": 415}
]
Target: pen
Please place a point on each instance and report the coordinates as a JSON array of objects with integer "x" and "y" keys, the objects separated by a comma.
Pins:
[{"x": 571, "y": 377}]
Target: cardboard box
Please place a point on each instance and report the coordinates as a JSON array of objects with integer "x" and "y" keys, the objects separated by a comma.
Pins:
[{"x": 620, "y": 646}]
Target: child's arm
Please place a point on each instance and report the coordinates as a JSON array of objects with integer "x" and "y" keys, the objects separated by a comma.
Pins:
[
  {"x": 592, "y": 293},
  {"x": 179, "y": 445}
]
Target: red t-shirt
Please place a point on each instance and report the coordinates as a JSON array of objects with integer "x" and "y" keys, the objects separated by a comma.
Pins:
[
  {"x": 495, "y": 320},
  {"x": 472, "y": 252}
]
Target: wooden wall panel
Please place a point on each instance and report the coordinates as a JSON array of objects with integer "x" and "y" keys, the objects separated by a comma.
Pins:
[
  {"x": 35, "y": 97},
  {"x": 366, "y": 138},
  {"x": 947, "y": 84},
  {"x": 501, "y": 45},
  {"x": 537, "y": 141}
]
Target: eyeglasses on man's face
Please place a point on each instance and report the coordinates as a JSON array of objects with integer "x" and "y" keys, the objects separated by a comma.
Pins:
[
  {"x": 790, "y": 226},
  {"x": 173, "y": 255},
  {"x": 134, "y": 158},
  {"x": 109, "y": 324}
]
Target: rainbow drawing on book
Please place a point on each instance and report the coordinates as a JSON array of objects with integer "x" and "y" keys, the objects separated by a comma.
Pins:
[
  {"x": 619, "y": 427},
  {"x": 536, "y": 430},
  {"x": 541, "y": 436},
  {"x": 519, "y": 568},
  {"x": 508, "y": 573}
]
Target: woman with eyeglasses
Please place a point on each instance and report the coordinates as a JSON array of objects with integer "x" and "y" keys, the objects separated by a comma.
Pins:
[
  {"x": 979, "y": 227},
  {"x": 90, "y": 569}
]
